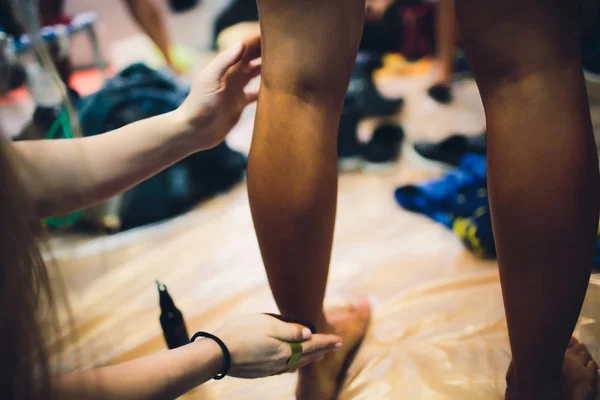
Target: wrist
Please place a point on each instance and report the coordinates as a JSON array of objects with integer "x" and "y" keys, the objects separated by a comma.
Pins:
[
  {"x": 193, "y": 127},
  {"x": 211, "y": 353}
]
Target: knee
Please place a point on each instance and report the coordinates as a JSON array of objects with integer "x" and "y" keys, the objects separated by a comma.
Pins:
[
  {"x": 307, "y": 85},
  {"x": 311, "y": 88},
  {"x": 509, "y": 40}
]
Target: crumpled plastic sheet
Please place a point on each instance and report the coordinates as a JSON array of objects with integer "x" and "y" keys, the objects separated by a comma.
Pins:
[{"x": 438, "y": 329}]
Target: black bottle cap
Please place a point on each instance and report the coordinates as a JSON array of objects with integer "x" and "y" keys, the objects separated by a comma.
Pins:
[{"x": 165, "y": 300}]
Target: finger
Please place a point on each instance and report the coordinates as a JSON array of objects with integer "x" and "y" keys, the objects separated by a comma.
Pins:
[
  {"x": 592, "y": 365},
  {"x": 283, "y": 371},
  {"x": 251, "y": 95},
  {"x": 318, "y": 354},
  {"x": 241, "y": 74},
  {"x": 320, "y": 342},
  {"x": 579, "y": 348},
  {"x": 227, "y": 59},
  {"x": 254, "y": 69},
  {"x": 295, "y": 320},
  {"x": 585, "y": 357},
  {"x": 303, "y": 363},
  {"x": 308, "y": 358},
  {"x": 253, "y": 48},
  {"x": 289, "y": 332}
]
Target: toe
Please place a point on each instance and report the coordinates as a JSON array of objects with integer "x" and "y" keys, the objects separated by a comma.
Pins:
[
  {"x": 585, "y": 357},
  {"x": 573, "y": 342},
  {"x": 591, "y": 365},
  {"x": 579, "y": 349},
  {"x": 363, "y": 308}
]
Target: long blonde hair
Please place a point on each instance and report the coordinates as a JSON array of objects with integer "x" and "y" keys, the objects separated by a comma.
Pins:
[
  {"x": 30, "y": 329},
  {"x": 27, "y": 301}
]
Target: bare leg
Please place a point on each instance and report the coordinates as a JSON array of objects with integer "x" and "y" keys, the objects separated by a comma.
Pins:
[
  {"x": 542, "y": 176},
  {"x": 309, "y": 48},
  {"x": 447, "y": 32},
  {"x": 148, "y": 16},
  {"x": 447, "y": 35}
]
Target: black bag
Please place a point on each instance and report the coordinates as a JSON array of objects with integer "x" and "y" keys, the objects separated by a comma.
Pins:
[{"x": 139, "y": 92}]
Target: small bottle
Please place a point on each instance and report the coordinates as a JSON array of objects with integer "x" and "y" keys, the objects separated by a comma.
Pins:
[{"x": 171, "y": 320}]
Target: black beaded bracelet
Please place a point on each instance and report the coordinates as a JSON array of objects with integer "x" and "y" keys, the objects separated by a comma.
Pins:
[{"x": 226, "y": 354}]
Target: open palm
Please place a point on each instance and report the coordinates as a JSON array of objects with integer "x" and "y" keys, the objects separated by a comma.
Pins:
[{"x": 218, "y": 94}]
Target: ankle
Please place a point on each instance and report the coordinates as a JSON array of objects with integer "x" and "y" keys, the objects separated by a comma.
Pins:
[
  {"x": 321, "y": 324},
  {"x": 548, "y": 393},
  {"x": 531, "y": 387}
]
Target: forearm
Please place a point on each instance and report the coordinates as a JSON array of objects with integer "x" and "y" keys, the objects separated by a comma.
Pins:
[
  {"x": 166, "y": 375},
  {"x": 66, "y": 175}
]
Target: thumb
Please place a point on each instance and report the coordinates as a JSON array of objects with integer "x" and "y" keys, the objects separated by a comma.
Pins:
[
  {"x": 227, "y": 59},
  {"x": 289, "y": 332}
]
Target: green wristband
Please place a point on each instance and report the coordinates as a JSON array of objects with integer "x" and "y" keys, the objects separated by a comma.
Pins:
[{"x": 296, "y": 354}]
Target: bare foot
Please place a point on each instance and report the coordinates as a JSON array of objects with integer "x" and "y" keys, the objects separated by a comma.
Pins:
[
  {"x": 322, "y": 381},
  {"x": 578, "y": 380},
  {"x": 579, "y": 375}
]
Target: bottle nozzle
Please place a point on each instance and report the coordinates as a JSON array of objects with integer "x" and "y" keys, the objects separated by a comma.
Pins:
[{"x": 166, "y": 302}]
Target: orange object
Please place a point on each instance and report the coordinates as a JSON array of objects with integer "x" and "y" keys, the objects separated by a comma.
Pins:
[{"x": 397, "y": 65}]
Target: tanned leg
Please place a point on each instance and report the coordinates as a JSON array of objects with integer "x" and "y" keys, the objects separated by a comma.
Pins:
[
  {"x": 309, "y": 48},
  {"x": 148, "y": 16},
  {"x": 543, "y": 182},
  {"x": 447, "y": 35}
]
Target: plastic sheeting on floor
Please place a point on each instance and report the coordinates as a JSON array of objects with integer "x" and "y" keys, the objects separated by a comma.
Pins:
[{"x": 438, "y": 329}]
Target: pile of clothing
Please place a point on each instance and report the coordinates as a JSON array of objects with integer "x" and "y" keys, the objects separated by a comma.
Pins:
[
  {"x": 139, "y": 92},
  {"x": 459, "y": 199}
]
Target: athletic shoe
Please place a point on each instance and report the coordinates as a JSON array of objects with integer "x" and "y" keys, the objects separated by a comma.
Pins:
[
  {"x": 363, "y": 91},
  {"x": 447, "y": 153},
  {"x": 384, "y": 147}
]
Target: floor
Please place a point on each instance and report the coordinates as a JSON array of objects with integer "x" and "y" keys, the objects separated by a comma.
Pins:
[
  {"x": 192, "y": 28},
  {"x": 438, "y": 329}
]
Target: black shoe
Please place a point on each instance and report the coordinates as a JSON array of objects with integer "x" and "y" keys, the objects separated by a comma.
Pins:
[
  {"x": 441, "y": 93},
  {"x": 363, "y": 91},
  {"x": 384, "y": 147},
  {"x": 448, "y": 153},
  {"x": 349, "y": 148}
]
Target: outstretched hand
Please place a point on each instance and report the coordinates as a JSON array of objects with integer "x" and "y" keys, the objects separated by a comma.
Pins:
[
  {"x": 260, "y": 345},
  {"x": 218, "y": 94}
]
